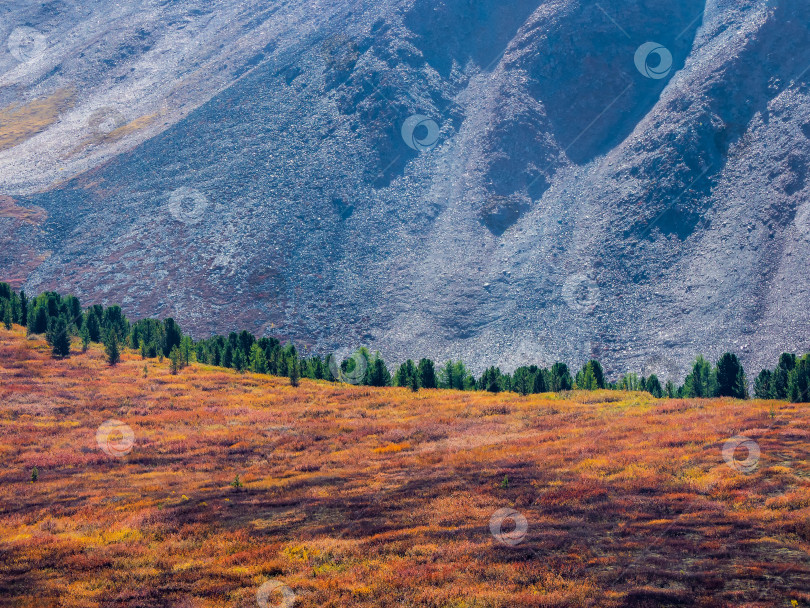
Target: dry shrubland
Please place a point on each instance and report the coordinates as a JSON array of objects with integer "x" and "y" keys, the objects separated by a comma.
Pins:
[{"x": 353, "y": 496}]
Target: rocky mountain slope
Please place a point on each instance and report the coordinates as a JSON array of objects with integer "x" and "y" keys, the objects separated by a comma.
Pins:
[{"x": 500, "y": 182}]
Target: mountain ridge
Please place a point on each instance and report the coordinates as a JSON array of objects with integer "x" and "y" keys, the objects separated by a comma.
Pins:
[{"x": 571, "y": 208}]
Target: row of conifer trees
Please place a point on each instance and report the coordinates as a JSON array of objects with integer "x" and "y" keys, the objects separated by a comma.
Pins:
[{"x": 61, "y": 318}]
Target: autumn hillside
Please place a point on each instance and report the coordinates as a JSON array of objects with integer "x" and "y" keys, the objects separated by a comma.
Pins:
[{"x": 353, "y": 496}]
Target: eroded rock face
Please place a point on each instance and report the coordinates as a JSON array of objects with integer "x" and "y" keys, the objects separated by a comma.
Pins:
[{"x": 566, "y": 189}]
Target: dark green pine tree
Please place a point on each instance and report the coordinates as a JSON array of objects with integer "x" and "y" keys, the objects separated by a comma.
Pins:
[
  {"x": 294, "y": 366},
  {"x": 258, "y": 360},
  {"x": 111, "y": 348},
  {"x": 779, "y": 380},
  {"x": 448, "y": 375},
  {"x": 731, "y": 381},
  {"x": 38, "y": 320},
  {"x": 227, "y": 356},
  {"x": 59, "y": 338},
  {"x": 762, "y": 384},
  {"x": 539, "y": 379},
  {"x": 172, "y": 336},
  {"x": 561, "y": 378},
  {"x": 491, "y": 380},
  {"x": 23, "y": 308},
  {"x": 654, "y": 386},
  {"x": 522, "y": 381},
  {"x": 175, "y": 359},
  {"x": 799, "y": 381},
  {"x": 702, "y": 381},
  {"x": 93, "y": 326},
  {"x": 7, "y": 320},
  {"x": 377, "y": 373},
  {"x": 403, "y": 375},
  {"x": 239, "y": 360},
  {"x": 84, "y": 334},
  {"x": 427, "y": 373}
]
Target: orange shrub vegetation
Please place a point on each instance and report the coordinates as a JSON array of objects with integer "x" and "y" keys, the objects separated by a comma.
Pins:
[{"x": 354, "y": 496}]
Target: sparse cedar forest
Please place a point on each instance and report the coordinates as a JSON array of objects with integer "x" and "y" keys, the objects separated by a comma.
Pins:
[
  {"x": 61, "y": 318},
  {"x": 131, "y": 481}
]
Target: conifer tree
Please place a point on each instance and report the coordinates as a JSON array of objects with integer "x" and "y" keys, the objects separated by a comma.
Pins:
[
  {"x": 172, "y": 336},
  {"x": 6, "y": 314},
  {"x": 294, "y": 366},
  {"x": 779, "y": 379},
  {"x": 176, "y": 360},
  {"x": 799, "y": 381},
  {"x": 447, "y": 374},
  {"x": 93, "y": 326},
  {"x": 731, "y": 381},
  {"x": 522, "y": 381},
  {"x": 111, "y": 348},
  {"x": 560, "y": 378},
  {"x": 377, "y": 373},
  {"x": 427, "y": 373},
  {"x": 23, "y": 308},
  {"x": 239, "y": 360},
  {"x": 654, "y": 386},
  {"x": 540, "y": 384},
  {"x": 59, "y": 337},
  {"x": 762, "y": 384},
  {"x": 227, "y": 356},
  {"x": 702, "y": 381},
  {"x": 84, "y": 334},
  {"x": 186, "y": 348},
  {"x": 258, "y": 360},
  {"x": 38, "y": 320}
]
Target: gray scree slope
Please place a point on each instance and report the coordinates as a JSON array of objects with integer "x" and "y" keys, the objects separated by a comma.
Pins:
[{"x": 242, "y": 164}]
